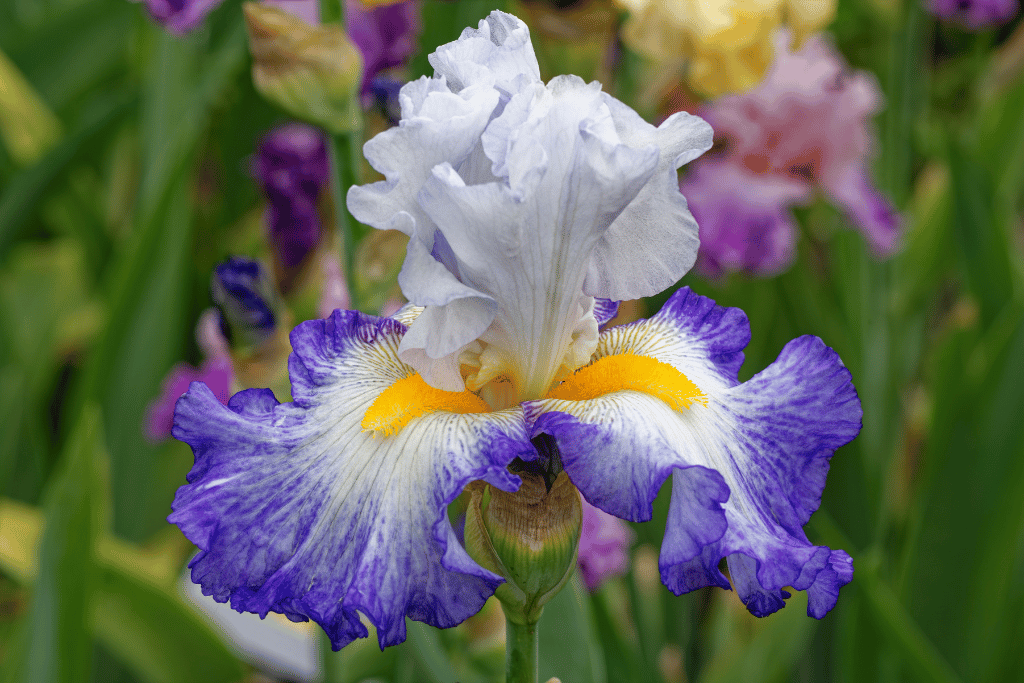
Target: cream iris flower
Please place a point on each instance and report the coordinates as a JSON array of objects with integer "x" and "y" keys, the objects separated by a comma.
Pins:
[
  {"x": 530, "y": 207},
  {"x": 722, "y": 46}
]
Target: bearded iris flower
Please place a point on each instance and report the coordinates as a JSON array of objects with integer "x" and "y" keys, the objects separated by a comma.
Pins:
[{"x": 530, "y": 209}]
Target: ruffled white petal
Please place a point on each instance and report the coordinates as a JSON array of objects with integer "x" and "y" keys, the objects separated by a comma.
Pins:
[
  {"x": 498, "y": 53},
  {"x": 654, "y": 241},
  {"x": 534, "y": 200}
]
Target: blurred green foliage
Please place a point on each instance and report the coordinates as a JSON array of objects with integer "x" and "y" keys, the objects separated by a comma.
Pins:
[{"x": 135, "y": 185}]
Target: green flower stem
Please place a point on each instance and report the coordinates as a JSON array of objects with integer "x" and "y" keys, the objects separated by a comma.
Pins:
[
  {"x": 521, "y": 648},
  {"x": 343, "y": 151}
]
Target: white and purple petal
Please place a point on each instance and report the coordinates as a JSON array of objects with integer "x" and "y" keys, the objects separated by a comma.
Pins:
[
  {"x": 748, "y": 465},
  {"x": 297, "y": 509}
]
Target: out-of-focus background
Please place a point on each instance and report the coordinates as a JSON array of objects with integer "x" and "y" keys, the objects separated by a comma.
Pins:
[{"x": 865, "y": 186}]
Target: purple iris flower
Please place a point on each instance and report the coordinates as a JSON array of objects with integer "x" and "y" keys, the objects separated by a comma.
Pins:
[
  {"x": 385, "y": 35},
  {"x": 975, "y": 14},
  {"x": 291, "y": 167},
  {"x": 180, "y": 16}
]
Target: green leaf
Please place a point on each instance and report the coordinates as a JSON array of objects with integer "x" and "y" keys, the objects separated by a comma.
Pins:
[
  {"x": 148, "y": 282},
  {"x": 433, "y": 662},
  {"x": 59, "y": 646},
  {"x": 995, "y": 596},
  {"x": 569, "y": 646},
  {"x": 24, "y": 192},
  {"x": 982, "y": 238},
  {"x": 770, "y": 654},
  {"x": 150, "y": 628}
]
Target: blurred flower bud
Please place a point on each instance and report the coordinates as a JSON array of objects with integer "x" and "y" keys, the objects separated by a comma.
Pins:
[
  {"x": 385, "y": 34},
  {"x": 243, "y": 292},
  {"x": 312, "y": 72},
  {"x": 292, "y": 169},
  {"x": 529, "y": 537},
  {"x": 604, "y": 546},
  {"x": 180, "y": 16}
]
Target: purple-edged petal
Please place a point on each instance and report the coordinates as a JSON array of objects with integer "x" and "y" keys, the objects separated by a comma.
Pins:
[
  {"x": 297, "y": 509},
  {"x": 749, "y": 459}
]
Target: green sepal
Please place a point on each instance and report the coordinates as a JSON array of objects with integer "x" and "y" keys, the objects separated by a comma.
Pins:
[
  {"x": 529, "y": 537},
  {"x": 312, "y": 72}
]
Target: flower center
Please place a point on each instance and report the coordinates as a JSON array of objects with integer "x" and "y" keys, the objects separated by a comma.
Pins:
[
  {"x": 629, "y": 372},
  {"x": 411, "y": 397}
]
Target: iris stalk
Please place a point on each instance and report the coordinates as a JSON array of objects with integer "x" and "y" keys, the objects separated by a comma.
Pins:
[
  {"x": 344, "y": 154},
  {"x": 521, "y": 652}
]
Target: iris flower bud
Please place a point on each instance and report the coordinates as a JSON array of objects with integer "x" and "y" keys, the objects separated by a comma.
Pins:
[
  {"x": 312, "y": 72},
  {"x": 529, "y": 537},
  {"x": 244, "y": 294}
]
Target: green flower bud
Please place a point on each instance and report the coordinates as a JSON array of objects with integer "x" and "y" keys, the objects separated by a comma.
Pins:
[
  {"x": 529, "y": 537},
  {"x": 312, "y": 72}
]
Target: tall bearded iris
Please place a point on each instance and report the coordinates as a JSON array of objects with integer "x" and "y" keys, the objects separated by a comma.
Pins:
[{"x": 530, "y": 207}]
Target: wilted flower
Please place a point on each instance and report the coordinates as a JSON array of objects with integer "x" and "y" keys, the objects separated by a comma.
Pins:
[
  {"x": 766, "y": 162},
  {"x": 528, "y": 205},
  {"x": 312, "y": 72},
  {"x": 722, "y": 46}
]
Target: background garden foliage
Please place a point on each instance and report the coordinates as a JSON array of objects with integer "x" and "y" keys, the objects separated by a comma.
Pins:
[{"x": 127, "y": 174}]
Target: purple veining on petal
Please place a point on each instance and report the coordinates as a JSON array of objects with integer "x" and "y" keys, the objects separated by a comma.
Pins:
[
  {"x": 605, "y": 310},
  {"x": 748, "y": 466},
  {"x": 296, "y": 510},
  {"x": 721, "y": 332}
]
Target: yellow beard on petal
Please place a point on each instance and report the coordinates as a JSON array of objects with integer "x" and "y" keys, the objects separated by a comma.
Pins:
[
  {"x": 411, "y": 397},
  {"x": 632, "y": 373}
]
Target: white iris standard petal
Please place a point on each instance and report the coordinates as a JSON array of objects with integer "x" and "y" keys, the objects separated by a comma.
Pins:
[
  {"x": 336, "y": 504},
  {"x": 564, "y": 196}
]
